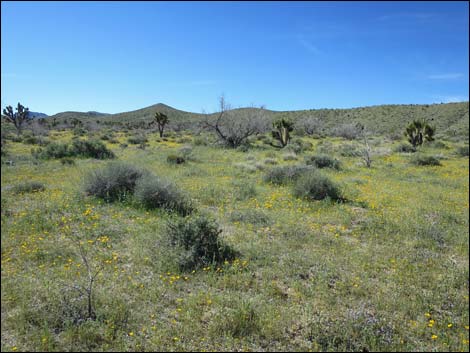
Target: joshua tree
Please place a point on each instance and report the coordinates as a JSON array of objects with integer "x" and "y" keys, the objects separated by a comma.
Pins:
[
  {"x": 282, "y": 128},
  {"x": 161, "y": 120},
  {"x": 419, "y": 131},
  {"x": 19, "y": 118}
]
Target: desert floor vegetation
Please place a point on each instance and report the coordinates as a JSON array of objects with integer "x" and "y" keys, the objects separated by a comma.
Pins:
[{"x": 383, "y": 269}]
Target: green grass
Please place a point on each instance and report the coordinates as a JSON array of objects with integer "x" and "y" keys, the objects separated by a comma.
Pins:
[{"x": 386, "y": 270}]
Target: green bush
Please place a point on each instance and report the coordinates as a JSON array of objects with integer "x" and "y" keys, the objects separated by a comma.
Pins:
[
  {"x": 154, "y": 192},
  {"x": 55, "y": 150},
  {"x": 405, "y": 148},
  {"x": 200, "y": 141},
  {"x": 244, "y": 190},
  {"x": 91, "y": 149},
  {"x": 115, "y": 182},
  {"x": 197, "y": 239},
  {"x": 175, "y": 159},
  {"x": 79, "y": 148},
  {"x": 67, "y": 161},
  {"x": 284, "y": 174},
  {"x": 322, "y": 161},
  {"x": 270, "y": 161},
  {"x": 462, "y": 151},
  {"x": 290, "y": 156},
  {"x": 256, "y": 217},
  {"x": 137, "y": 139},
  {"x": 28, "y": 186},
  {"x": 315, "y": 186},
  {"x": 349, "y": 150},
  {"x": 425, "y": 160},
  {"x": 436, "y": 144}
]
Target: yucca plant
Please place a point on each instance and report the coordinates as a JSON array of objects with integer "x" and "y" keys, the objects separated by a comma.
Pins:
[
  {"x": 419, "y": 131},
  {"x": 282, "y": 128}
]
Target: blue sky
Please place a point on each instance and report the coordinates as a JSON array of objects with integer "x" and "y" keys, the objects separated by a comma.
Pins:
[{"x": 120, "y": 56}]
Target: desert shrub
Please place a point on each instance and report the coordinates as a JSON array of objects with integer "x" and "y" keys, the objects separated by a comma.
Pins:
[
  {"x": 423, "y": 160},
  {"x": 437, "y": 144},
  {"x": 105, "y": 137},
  {"x": 197, "y": 239},
  {"x": 175, "y": 159},
  {"x": 284, "y": 174},
  {"x": 270, "y": 161},
  {"x": 16, "y": 138},
  {"x": 299, "y": 146},
  {"x": 79, "y": 148},
  {"x": 186, "y": 152},
  {"x": 316, "y": 186},
  {"x": 405, "y": 148},
  {"x": 28, "y": 186},
  {"x": 115, "y": 182},
  {"x": 55, "y": 150},
  {"x": 256, "y": 217},
  {"x": 30, "y": 140},
  {"x": 347, "y": 131},
  {"x": 244, "y": 190},
  {"x": 137, "y": 139},
  {"x": 249, "y": 168},
  {"x": 154, "y": 192},
  {"x": 200, "y": 141},
  {"x": 325, "y": 147},
  {"x": 79, "y": 131},
  {"x": 67, "y": 161},
  {"x": 290, "y": 156},
  {"x": 184, "y": 139},
  {"x": 462, "y": 151},
  {"x": 245, "y": 147},
  {"x": 322, "y": 161},
  {"x": 349, "y": 150},
  {"x": 90, "y": 149}
]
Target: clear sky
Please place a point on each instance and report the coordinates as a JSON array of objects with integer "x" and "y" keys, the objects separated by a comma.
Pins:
[{"x": 120, "y": 56}]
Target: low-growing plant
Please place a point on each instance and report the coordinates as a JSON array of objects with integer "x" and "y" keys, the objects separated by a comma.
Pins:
[
  {"x": 316, "y": 186},
  {"x": 91, "y": 149},
  {"x": 347, "y": 131},
  {"x": 137, "y": 139},
  {"x": 348, "y": 150},
  {"x": 155, "y": 192},
  {"x": 175, "y": 159},
  {"x": 241, "y": 321},
  {"x": 436, "y": 144},
  {"x": 284, "y": 174},
  {"x": 290, "y": 156},
  {"x": 245, "y": 167},
  {"x": 115, "y": 182},
  {"x": 197, "y": 239},
  {"x": 256, "y": 217},
  {"x": 270, "y": 161},
  {"x": 79, "y": 148},
  {"x": 244, "y": 190},
  {"x": 28, "y": 186},
  {"x": 463, "y": 151},
  {"x": 423, "y": 160},
  {"x": 405, "y": 148},
  {"x": 67, "y": 161},
  {"x": 55, "y": 150},
  {"x": 322, "y": 161}
]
